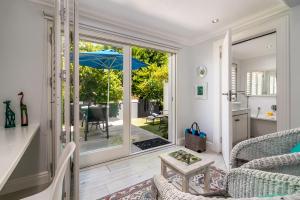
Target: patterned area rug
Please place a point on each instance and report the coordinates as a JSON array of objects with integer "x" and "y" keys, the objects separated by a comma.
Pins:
[{"x": 142, "y": 191}]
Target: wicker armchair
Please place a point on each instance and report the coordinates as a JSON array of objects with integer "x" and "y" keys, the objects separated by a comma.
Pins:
[
  {"x": 241, "y": 183},
  {"x": 269, "y": 145}
]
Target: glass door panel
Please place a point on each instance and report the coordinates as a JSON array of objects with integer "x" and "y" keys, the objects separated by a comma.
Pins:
[
  {"x": 150, "y": 105},
  {"x": 103, "y": 135}
]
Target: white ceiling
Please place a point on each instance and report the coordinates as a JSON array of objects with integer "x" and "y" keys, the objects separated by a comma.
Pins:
[
  {"x": 262, "y": 46},
  {"x": 181, "y": 20}
]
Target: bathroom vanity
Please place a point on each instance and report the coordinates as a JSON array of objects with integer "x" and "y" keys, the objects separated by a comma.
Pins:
[
  {"x": 262, "y": 125},
  {"x": 240, "y": 125}
]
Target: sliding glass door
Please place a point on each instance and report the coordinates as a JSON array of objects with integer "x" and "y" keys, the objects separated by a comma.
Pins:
[
  {"x": 104, "y": 101},
  {"x": 151, "y": 105},
  {"x": 126, "y": 100}
]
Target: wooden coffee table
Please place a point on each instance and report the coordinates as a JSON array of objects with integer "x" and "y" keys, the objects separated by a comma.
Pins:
[{"x": 187, "y": 171}]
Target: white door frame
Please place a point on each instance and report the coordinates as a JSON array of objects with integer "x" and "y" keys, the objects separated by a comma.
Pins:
[
  {"x": 96, "y": 37},
  {"x": 95, "y": 34},
  {"x": 62, "y": 16},
  {"x": 49, "y": 52},
  {"x": 171, "y": 98},
  {"x": 76, "y": 158},
  {"x": 115, "y": 152},
  {"x": 281, "y": 26},
  {"x": 57, "y": 63}
]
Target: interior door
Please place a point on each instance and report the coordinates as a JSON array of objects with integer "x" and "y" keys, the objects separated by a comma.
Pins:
[{"x": 226, "y": 98}]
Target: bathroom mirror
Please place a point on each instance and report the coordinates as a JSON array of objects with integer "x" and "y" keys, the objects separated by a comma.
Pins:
[{"x": 261, "y": 83}]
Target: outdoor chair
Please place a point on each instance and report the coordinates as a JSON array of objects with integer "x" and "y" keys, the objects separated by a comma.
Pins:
[
  {"x": 240, "y": 183},
  {"x": 161, "y": 116},
  {"x": 163, "y": 123},
  {"x": 273, "y": 148},
  {"x": 152, "y": 117},
  {"x": 96, "y": 116}
]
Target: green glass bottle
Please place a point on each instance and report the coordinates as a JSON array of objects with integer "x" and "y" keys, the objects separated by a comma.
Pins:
[{"x": 23, "y": 108}]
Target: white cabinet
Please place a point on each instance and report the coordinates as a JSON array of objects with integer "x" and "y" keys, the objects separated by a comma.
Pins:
[{"x": 240, "y": 124}]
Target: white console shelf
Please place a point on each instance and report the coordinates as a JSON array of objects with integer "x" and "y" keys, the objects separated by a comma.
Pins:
[{"x": 13, "y": 144}]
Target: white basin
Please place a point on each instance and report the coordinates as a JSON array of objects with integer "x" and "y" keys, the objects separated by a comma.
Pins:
[{"x": 236, "y": 105}]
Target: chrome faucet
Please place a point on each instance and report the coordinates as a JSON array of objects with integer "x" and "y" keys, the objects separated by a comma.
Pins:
[{"x": 258, "y": 111}]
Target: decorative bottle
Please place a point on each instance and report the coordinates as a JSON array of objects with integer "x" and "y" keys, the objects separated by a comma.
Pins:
[
  {"x": 23, "y": 108},
  {"x": 9, "y": 116}
]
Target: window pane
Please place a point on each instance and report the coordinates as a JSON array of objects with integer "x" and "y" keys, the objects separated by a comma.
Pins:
[
  {"x": 259, "y": 83},
  {"x": 234, "y": 81},
  {"x": 253, "y": 83},
  {"x": 248, "y": 83}
]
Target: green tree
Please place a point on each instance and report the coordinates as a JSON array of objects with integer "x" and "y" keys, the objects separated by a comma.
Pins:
[
  {"x": 148, "y": 82},
  {"x": 93, "y": 82},
  {"x": 93, "y": 85},
  {"x": 150, "y": 56}
]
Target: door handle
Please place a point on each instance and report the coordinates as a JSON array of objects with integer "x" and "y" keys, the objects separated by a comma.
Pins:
[
  {"x": 237, "y": 120},
  {"x": 229, "y": 95}
]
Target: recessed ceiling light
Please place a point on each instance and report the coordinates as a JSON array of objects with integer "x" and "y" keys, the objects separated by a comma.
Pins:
[
  {"x": 216, "y": 20},
  {"x": 269, "y": 46}
]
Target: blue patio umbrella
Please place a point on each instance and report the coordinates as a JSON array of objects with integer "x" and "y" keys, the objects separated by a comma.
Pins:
[{"x": 107, "y": 59}]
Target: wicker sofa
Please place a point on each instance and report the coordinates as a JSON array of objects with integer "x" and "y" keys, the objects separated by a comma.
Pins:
[
  {"x": 265, "y": 167},
  {"x": 275, "y": 145},
  {"x": 241, "y": 183}
]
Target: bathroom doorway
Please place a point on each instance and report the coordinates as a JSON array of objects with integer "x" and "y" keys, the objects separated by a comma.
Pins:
[
  {"x": 254, "y": 87},
  {"x": 227, "y": 78}
]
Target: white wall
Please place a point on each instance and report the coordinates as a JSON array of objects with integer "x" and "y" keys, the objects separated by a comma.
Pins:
[
  {"x": 203, "y": 111},
  {"x": 295, "y": 66},
  {"x": 22, "y": 69},
  {"x": 192, "y": 109},
  {"x": 264, "y": 103},
  {"x": 183, "y": 94}
]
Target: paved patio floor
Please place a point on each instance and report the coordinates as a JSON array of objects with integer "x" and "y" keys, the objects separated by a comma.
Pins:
[{"x": 97, "y": 137}]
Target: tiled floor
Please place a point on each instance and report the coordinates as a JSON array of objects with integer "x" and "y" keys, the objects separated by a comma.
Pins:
[{"x": 98, "y": 181}]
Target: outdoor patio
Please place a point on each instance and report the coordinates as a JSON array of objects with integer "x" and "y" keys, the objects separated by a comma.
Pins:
[
  {"x": 97, "y": 137},
  {"x": 102, "y": 92}
]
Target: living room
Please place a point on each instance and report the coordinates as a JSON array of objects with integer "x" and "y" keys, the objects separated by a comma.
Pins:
[{"x": 163, "y": 72}]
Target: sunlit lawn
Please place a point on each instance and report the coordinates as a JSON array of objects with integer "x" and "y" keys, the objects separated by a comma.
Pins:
[{"x": 149, "y": 126}]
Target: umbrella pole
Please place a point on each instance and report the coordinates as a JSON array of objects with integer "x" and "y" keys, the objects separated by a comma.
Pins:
[{"x": 108, "y": 87}]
